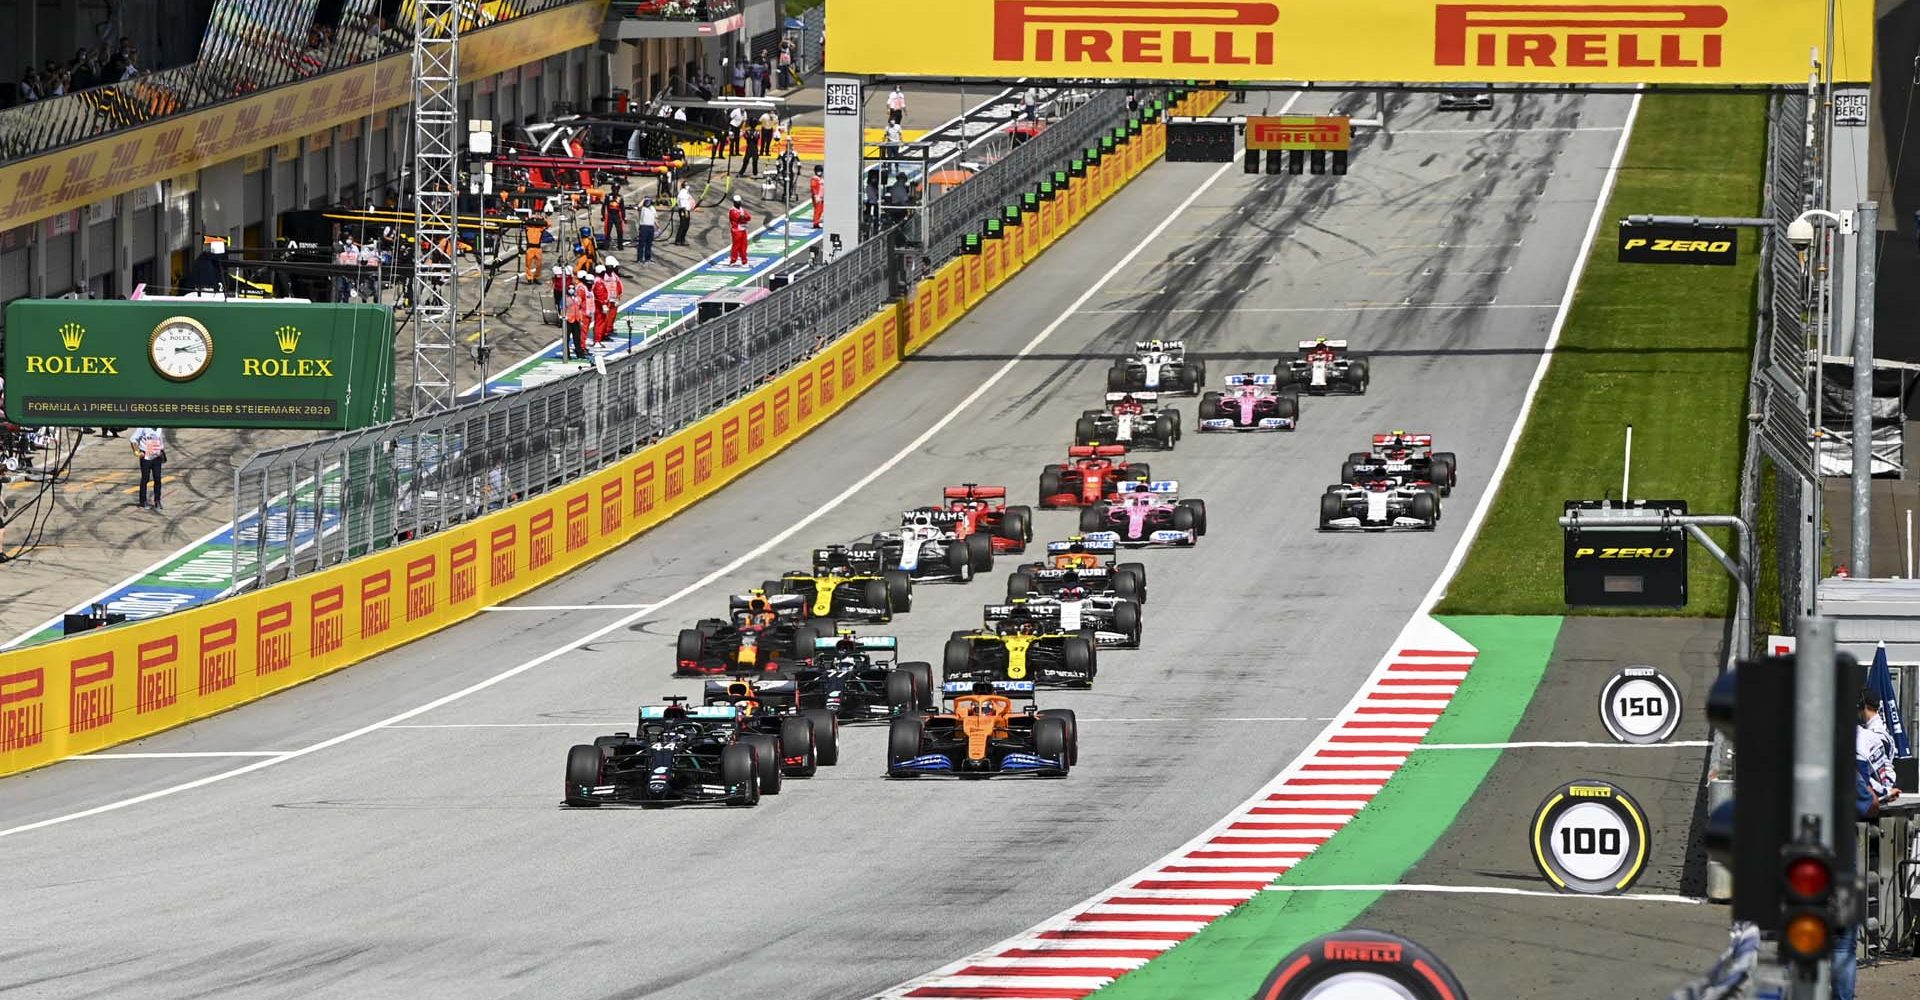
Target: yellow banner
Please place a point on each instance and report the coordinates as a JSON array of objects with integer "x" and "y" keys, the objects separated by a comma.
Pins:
[
  {"x": 66, "y": 179},
  {"x": 1386, "y": 41}
]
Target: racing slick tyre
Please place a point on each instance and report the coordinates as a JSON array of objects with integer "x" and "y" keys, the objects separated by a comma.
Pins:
[
  {"x": 737, "y": 771},
  {"x": 1358, "y": 962},
  {"x": 922, "y": 674},
  {"x": 1019, "y": 585},
  {"x": 980, "y": 551},
  {"x": 773, "y": 587},
  {"x": 958, "y": 562},
  {"x": 1210, "y": 406},
  {"x": 1073, "y": 730},
  {"x": 1358, "y": 458},
  {"x": 1117, "y": 378},
  {"x": 1126, "y": 618},
  {"x": 1426, "y": 508},
  {"x": 689, "y": 647},
  {"x": 1084, "y": 431},
  {"x": 1199, "y": 508},
  {"x": 1093, "y": 518},
  {"x": 801, "y": 747},
  {"x": 957, "y": 657},
  {"x": 1329, "y": 508},
  {"x": 899, "y": 590},
  {"x": 1139, "y": 571},
  {"x": 1077, "y": 656},
  {"x": 1184, "y": 520},
  {"x": 1166, "y": 430},
  {"x": 902, "y": 695},
  {"x": 1357, "y": 375},
  {"x": 1050, "y": 740},
  {"x": 709, "y": 626},
  {"x": 1287, "y": 404},
  {"x": 903, "y": 743},
  {"x": 767, "y": 771},
  {"x": 1452, "y": 475},
  {"x": 826, "y": 735},
  {"x": 1347, "y": 475},
  {"x": 1016, "y": 525},
  {"x": 583, "y": 771},
  {"x": 1139, "y": 470},
  {"x": 1194, "y": 375},
  {"x": 1049, "y": 484},
  {"x": 1127, "y": 586},
  {"x": 803, "y": 636}
]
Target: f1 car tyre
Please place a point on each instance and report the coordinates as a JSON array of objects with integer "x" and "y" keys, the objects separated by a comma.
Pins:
[
  {"x": 689, "y": 647},
  {"x": 583, "y": 768},
  {"x": 1358, "y": 375},
  {"x": 1078, "y": 656},
  {"x": 1329, "y": 508},
  {"x": 958, "y": 561},
  {"x": 903, "y": 740},
  {"x": 709, "y": 626},
  {"x": 766, "y": 761},
  {"x": 803, "y": 636},
  {"x": 1083, "y": 431},
  {"x": 1016, "y": 524},
  {"x": 1126, "y": 585},
  {"x": 1358, "y": 458},
  {"x": 1126, "y": 618},
  {"x": 1073, "y": 730},
  {"x": 1425, "y": 507},
  {"x": 826, "y": 735},
  {"x": 1184, "y": 519},
  {"x": 737, "y": 771},
  {"x": 1210, "y": 406},
  {"x": 876, "y": 593},
  {"x": 1139, "y": 470},
  {"x": 958, "y": 654},
  {"x": 1346, "y": 472},
  {"x": 773, "y": 587},
  {"x": 922, "y": 673},
  {"x": 1093, "y": 518},
  {"x": 1139, "y": 571},
  {"x": 1117, "y": 378},
  {"x": 899, "y": 590},
  {"x": 1287, "y": 405},
  {"x": 901, "y": 695},
  {"x": 1049, "y": 483},
  {"x": 1050, "y": 740},
  {"x": 1167, "y": 429},
  {"x": 980, "y": 552},
  {"x": 1359, "y": 962},
  {"x": 797, "y": 740},
  {"x": 1199, "y": 508},
  {"x": 1019, "y": 585},
  {"x": 1444, "y": 466}
]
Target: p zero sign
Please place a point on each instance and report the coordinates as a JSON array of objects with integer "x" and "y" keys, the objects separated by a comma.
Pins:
[
  {"x": 1658, "y": 244},
  {"x": 1421, "y": 41}
]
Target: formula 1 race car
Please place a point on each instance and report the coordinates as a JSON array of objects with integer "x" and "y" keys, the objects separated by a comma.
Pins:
[
  {"x": 851, "y": 677},
  {"x": 1128, "y": 420},
  {"x": 763, "y": 632},
  {"x": 927, "y": 546},
  {"x": 1408, "y": 459},
  {"x": 1323, "y": 366},
  {"x": 677, "y": 755},
  {"x": 1378, "y": 505},
  {"x": 1010, "y": 528},
  {"x": 1158, "y": 366},
  {"x": 981, "y": 735},
  {"x": 1115, "y": 621},
  {"x": 848, "y": 582},
  {"x": 1088, "y": 476},
  {"x": 1016, "y": 646},
  {"x": 1251, "y": 403},
  {"x": 809, "y": 737},
  {"x": 1147, "y": 514},
  {"x": 1076, "y": 563}
]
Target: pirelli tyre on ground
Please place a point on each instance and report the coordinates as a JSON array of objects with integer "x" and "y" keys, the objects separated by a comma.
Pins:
[{"x": 1361, "y": 965}]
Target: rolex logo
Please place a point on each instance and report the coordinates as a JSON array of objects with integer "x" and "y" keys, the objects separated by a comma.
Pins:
[
  {"x": 71, "y": 335},
  {"x": 289, "y": 338}
]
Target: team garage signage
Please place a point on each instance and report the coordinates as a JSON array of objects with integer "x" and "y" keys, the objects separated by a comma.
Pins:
[{"x": 1423, "y": 41}]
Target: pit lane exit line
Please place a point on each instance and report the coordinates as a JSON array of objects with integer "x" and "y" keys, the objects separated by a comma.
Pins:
[
  {"x": 1565, "y": 745},
  {"x": 1490, "y": 890}
]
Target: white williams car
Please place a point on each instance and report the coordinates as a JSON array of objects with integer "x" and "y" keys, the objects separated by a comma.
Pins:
[
  {"x": 1158, "y": 366},
  {"x": 926, "y": 546}
]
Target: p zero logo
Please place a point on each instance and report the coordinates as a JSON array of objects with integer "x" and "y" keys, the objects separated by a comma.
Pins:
[
  {"x": 729, "y": 442},
  {"x": 1648, "y": 243},
  {"x": 1639, "y": 553},
  {"x": 577, "y": 529},
  {"x": 90, "y": 694},
  {"x": 702, "y": 458},
  {"x": 676, "y": 473},
  {"x": 782, "y": 410},
  {"x": 803, "y": 402},
  {"x": 23, "y": 709},
  {"x": 219, "y": 660},
  {"x": 610, "y": 512},
  {"x": 328, "y": 628},
  {"x": 464, "y": 571},
  {"x": 540, "y": 539},
  {"x": 643, "y": 489},
  {"x": 273, "y": 644},
  {"x": 501, "y": 567},
  {"x": 420, "y": 587},
  {"x": 376, "y": 603},
  {"x": 1617, "y": 36},
  {"x": 756, "y": 427},
  {"x": 1135, "y": 32},
  {"x": 156, "y": 666}
]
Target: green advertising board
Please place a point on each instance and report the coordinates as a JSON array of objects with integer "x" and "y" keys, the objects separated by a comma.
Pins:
[{"x": 180, "y": 363}]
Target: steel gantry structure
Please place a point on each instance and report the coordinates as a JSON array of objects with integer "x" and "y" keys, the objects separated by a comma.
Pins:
[{"x": 436, "y": 146}]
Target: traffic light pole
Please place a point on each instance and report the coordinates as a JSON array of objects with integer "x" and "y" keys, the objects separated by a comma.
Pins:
[{"x": 1814, "y": 691}]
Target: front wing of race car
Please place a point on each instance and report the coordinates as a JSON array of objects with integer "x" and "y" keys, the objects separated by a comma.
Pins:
[
  {"x": 1157, "y": 536},
  {"x": 1261, "y": 424}
]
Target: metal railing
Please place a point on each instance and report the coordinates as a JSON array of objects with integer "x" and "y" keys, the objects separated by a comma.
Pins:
[{"x": 308, "y": 506}]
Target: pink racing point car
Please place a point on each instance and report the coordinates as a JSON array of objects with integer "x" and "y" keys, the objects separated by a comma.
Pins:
[
  {"x": 1250, "y": 403},
  {"x": 1146, "y": 514}
]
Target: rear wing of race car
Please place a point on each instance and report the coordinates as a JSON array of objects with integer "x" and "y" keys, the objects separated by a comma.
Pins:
[
  {"x": 951, "y": 688},
  {"x": 972, "y": 492},
  {"x": 932, "y": 516},
  {"x": 1138, "y": 397},
  {"x": 693, "y": 712},
  {"x": 1159, "y": 345},
  {"x": 1044, "y": 613},
  {"x": 1096, "y": 450},
  {"x": 1234, "y": 380},
  {"x": 1157, "y": 486},
  {"x": 717, "y": 691},
  {"x": 857, "y": 558},
  {"x": 1086, "y": 544},
  {"x": 1338, "y": 345},
  {"x": 778, "y": 602},
  {"x": 867, "y": 642},
  {"x": 1411, "y": 440}
]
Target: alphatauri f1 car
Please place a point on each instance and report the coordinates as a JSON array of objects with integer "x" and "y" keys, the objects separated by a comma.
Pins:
[
  {"x": 1076, "y": 562},
  {"x": 981, "y": 735},
  {"x": 1407, "y": 459}
]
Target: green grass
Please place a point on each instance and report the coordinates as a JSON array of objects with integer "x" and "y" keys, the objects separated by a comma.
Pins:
[{"x": 1664, "y": 348}]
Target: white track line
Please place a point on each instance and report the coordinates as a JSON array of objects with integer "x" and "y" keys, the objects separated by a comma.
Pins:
[
  {"x": 913, "y": 447},
  {"x": 182, "y": 755},
  {"x": 1565, "y": 745},
  {"x": 1492, "y": 890},
  {"x": 565, "y": 607}
]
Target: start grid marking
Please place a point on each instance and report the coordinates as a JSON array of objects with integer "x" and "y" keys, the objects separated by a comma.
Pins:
[{"x": 1129, "y": 924}]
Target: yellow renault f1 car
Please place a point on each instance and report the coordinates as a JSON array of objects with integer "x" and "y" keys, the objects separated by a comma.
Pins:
[
  {"x": 1019, "y": 645},
  {"x": 848, "y": 583}
]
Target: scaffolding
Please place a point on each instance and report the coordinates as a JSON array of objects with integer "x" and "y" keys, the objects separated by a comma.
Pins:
[{"x": 436, "y": 138}]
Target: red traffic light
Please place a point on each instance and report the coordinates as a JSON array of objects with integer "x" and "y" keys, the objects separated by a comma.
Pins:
[{"x": 1809, "y": 878}]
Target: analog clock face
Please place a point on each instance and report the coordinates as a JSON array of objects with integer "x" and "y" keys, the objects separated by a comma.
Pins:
[{"x": 181, "y": 349}]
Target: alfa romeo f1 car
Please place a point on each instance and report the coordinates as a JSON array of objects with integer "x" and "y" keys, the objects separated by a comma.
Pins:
[
  {"x": 1323, "y": 366},
  {"x": 928, "y": 546},
  {"x": 677, "y": 755},
  {"x": 1089, "y": 475},
  {"x": 1017, "y": 646},
  {"x": 1114, "y": 621},
  {"x": 1147, "y": 514},
  {"x": 848, "y": 582},
  {"x": 981, "y": 735},
  {"x": 1250, "y": 403},
  {"x": 1076, "y": 562},
  {"x": 1158, "y": 366},
  {"x": 1378, "y": 505},
  {"x": 762, "y": 632},
  {"x": 1407, "y": 459},
  {"x": 851, "y": 677},
  {"x": 986, "y": 512},
  {"x": 1128, "y": 420}
]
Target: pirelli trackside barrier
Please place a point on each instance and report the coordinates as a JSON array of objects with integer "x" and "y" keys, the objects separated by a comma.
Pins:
[{"x": 102, "y": 688}]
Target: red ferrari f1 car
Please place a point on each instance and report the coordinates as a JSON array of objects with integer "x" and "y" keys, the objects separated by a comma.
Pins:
[
  {"x": 984, "y": 509},
  {"x": 1089, "y": 475}
]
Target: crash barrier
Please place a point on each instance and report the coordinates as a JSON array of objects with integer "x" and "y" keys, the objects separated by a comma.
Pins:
[
  {"x": 104, "y": 687},
  {"x": 1885, "y": 853}
]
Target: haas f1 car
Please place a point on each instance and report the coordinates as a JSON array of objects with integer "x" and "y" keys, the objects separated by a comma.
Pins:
[
  {"x": 679, "y": 755},
  {"x": 1017, "y": 645},
  {"x": 1378, "y": 505},
  {"x": 1089, "y": 475},
  {"x": 1146, "y": 514},
  {"x": 1076, "y": 563},
  {"x": 928, "y": 546},
  {"x": 980, "y": 734},
  {"x": 851, "y": 677},
  {"x": 1250, "y": 403},
  {"x": 763, "y": 632},
  {"x": 1323, "y": 366},
  {"x": 1158, "y": 366},
  {"x": 1128, "y": 420},
  {"x": 848, "y": 582},
  {"x": 1405, "y": 459},
  {"x": 1114, "y": 621}
]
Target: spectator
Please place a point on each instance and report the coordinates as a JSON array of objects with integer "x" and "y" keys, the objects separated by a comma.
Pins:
[
  {"x": 649, "y": 217},
  {"x": 787, "y": 76},
  {"x": 1874, "y": 745},
  {"x": 29, "y": 86},
  {"x": 150, "y": 447},
  {"x": 739, "y": 78},
  {"x": 896, "y": 106}
]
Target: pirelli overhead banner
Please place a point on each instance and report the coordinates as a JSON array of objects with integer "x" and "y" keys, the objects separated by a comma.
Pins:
[{"x": 1384, "y": 41}]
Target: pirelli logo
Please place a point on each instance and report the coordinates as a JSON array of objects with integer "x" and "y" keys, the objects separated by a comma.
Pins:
[
  {"x": 827, "y": 367},
  {"x": 463, "y": 570},
  {"x": 610, "y": 507},
  {"x": 703, "y": 458},
  {"x": 500, "y": 549},
  {"x": 156, "y": 674},
  {"x": 90, "y": 694},
  {"x": 421, "y": 591},
  {"x": 577, "y": 528},
  {"x": 219, "y": 656},
  {"x": 376, "y": 603},
  {"x": 1309, "y": 132},
  {"x": 1373, "y": 952},
  {"x": 676, "y": 473},
  {"x": 1136, "y": 32},
  {"x": 756, "y": 427},
  {"x": 540, "y": 539},
  {"x": 1619, "y": 36},
  {"x": 273, "y": 642},
  {"x": 890, "y": 336},
  {"x": 327, "y": 628},
  {"x": 782, "y": 411},
  {"x": 803, "y": 401},
  {"x": 848, "y": 373},
  {"x": 730, "y": 442},
  {"x": 23, "y": 709},
  {"x": 643, "y": 489},
  {"x": 868, "y": 351}
]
